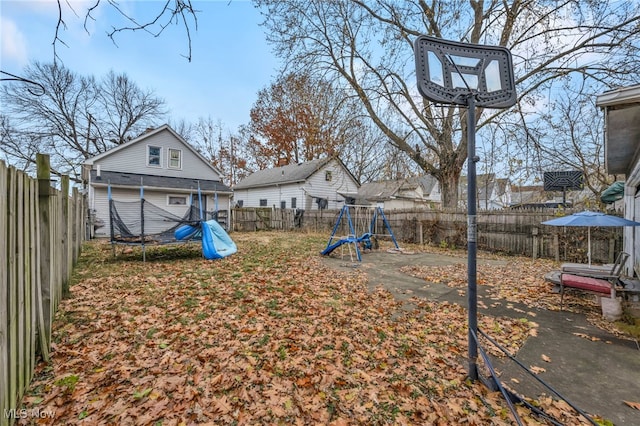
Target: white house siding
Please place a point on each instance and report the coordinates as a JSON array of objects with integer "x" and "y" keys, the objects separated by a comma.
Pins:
[
  {"x": 318, "y": 187},
  {"x": 287, "y": 192},
  {"x": 274, "y": 195},
  {"x": 133, "y": 159},
  {"x": 401, "y": 204},
  {"x": 632, "y": 212}
]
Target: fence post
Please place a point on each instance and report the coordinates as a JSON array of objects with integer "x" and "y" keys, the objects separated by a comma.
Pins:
[
  {"x": 420, "y": 237},
  {"x": 612, "y": 249},
  {"x": 534, "y": 232},
  {"x": 43, "y": 293},
  {"x": 4, "y": 280},
  {"x": 556, "y": 246}
]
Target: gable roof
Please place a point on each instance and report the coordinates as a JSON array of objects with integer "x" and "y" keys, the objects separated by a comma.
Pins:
[
  {"x": 380, "y": 190},
  {"x": 428, "y": 182},
  {"x": 290, "y": 173},
  {"x": 146, "y": 135}
]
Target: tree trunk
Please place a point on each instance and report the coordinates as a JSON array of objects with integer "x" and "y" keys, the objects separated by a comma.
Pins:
[{"x": 449, "y": 178}]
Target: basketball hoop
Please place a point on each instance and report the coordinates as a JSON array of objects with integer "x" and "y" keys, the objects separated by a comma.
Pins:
[{"x": 448, "y": 72}]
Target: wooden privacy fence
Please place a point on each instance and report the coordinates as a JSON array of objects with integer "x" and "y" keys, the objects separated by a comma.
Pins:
[
  {"x": 41, "y": 232},
  {"x": 517, "y": 232}
]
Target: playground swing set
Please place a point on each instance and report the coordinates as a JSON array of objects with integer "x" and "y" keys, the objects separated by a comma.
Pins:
[{"x": 366, "y": 219}]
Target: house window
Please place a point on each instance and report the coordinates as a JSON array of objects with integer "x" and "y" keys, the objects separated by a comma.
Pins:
[
  {"x": 293, "y": 203},
  {"x": 328, "y": 175},
  {"x": 153, "y": 159},
  {"x": 283, "y": 204},
  {"x": 263, "y": 202},
  {"x": 176, "y": 200},
  {"x": 175, "y": 158}
]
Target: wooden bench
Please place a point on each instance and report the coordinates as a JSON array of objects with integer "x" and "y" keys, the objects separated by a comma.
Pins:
[{"x": 597, "y": 271}]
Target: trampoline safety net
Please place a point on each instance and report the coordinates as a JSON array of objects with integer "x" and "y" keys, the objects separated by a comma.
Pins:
[{"x": 142, "y": 222}]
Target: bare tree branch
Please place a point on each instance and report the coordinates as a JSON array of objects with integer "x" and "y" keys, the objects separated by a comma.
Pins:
[{"x": 177, "y": 12}]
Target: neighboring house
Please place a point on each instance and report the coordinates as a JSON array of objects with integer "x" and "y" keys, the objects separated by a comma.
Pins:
[
  {"x": 622, "y": 157},
  {"x": 165, "y": 165},
  {"x": 492, "y": 193},
  {"x": 319, "y": 184},
  {"x": 398, "y": 194},
  {"x": 528, "y": 196},
  {"x": 535, "y": 197}
]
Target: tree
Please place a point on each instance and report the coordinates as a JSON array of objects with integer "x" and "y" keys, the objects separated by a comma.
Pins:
[
  {"x": 367, "y": 155},
  {"x": 298, "y": 119},
  {"x": 222, "y": 148},
  {"x": 368, "y": 45},
  {"x": 76, "y": 117},
  {"x": 126, "y": 108},
  {"x": 170, "y": 12},
  {"x": 572, "y": 139}
]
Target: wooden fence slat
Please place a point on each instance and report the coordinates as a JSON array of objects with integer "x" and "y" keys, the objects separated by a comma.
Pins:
[
  {"x": 4, "y": 290},
  {"x": 44, "y": 218},
  {"x": 31, "y": 255},
  {"x": 65, "y": 264},
  {"x": 20, "y": 283}
]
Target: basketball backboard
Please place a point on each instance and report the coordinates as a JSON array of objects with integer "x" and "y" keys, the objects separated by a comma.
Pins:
[{"x": 448, "y": 72}]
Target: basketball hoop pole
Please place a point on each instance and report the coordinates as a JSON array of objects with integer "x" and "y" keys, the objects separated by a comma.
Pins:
[
  {"x": 472, "y": 234},
  {"x": 442, "y": 66}
]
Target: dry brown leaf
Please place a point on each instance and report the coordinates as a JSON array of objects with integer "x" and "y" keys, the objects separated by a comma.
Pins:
[
  {"x": 635, "y": 405},
  {"x": 537, "y": 370}
]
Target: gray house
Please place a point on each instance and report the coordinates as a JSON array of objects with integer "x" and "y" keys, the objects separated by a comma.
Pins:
[
  {"x": 165, "y": 166},
  {"x": 319, "y": 184},
  {"x": 622, "y": 157}
]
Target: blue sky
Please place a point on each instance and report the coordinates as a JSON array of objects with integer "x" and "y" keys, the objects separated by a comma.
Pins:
[{"x": 231, "y": 60}]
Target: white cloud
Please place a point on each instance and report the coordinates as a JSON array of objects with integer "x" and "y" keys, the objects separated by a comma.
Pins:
[{"x": 13, "y": 42}]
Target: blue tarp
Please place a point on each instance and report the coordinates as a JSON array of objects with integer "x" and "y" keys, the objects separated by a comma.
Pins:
[{"x": 216, "y": 243}]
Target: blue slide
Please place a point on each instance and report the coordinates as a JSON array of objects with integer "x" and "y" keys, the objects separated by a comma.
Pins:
[
  {"x": 337, "y": 244},
  {"x": 365, "y": 239},
  {"x": 216, "y": 243},
  {"x": 186, "y": 232}
]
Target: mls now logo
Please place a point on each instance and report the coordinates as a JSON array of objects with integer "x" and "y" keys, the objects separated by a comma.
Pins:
[{"x": 23, "y": 413}]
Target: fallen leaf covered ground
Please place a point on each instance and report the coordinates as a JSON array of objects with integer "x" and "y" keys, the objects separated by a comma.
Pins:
[
  {"x": 520, "y": 281},
  {"x": 266, "y": 336}
]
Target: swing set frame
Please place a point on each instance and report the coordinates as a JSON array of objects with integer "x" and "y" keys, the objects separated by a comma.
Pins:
[{"x": 366, "y": 237}]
